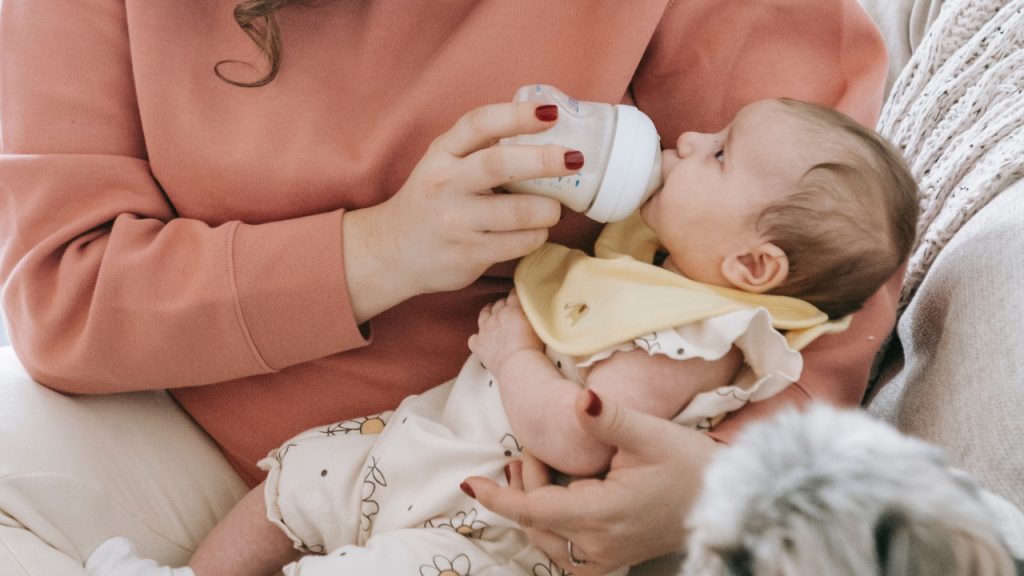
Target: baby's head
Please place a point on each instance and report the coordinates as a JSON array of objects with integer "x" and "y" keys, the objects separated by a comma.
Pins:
[{"x": 790, "y": 198}]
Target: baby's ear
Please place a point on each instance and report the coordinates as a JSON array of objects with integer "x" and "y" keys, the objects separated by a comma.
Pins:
[{"x": 757, "y": 270}]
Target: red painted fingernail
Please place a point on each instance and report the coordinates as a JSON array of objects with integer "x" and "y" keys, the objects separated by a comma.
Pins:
[
  {"x": 508, "y": 473},
  {"x": 468, "y": 490},
  {"x": 547, "y": 112},
  {"x": 594, "y": 405},
  {"x": 574, "y": 160}
]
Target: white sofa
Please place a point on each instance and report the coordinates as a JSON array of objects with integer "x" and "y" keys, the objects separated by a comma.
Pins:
[{"x": 74, "y": 471}]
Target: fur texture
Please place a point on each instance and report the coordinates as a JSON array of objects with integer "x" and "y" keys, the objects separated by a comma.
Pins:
[{"x": 831, "y": 492}]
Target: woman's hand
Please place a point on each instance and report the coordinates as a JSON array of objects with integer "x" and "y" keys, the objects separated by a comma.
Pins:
[
  {"x": 446, "y": 226},
  {"x": 635, "y": 513},
  {"x": 503, "y": 331}
]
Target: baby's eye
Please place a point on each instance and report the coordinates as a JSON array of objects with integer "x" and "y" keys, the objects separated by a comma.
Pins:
[{"x": 720, "y": 155}]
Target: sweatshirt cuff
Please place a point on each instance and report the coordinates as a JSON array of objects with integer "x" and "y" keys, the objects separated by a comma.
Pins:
[{"x": 292, "y": 296}]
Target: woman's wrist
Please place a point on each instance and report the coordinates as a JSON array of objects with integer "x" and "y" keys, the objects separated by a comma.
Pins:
[{"x": 376, "y": 279}]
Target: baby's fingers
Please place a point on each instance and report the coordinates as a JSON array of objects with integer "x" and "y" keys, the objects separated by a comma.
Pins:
[
  {"x": 485, "y": 313},
  {"x": 513, "y": 299}
]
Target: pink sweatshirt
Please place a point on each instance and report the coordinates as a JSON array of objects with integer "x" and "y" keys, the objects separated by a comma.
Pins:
[{"x": 160, "y": 228}]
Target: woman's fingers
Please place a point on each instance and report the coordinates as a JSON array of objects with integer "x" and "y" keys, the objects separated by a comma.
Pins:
[
  {"x": 512, "y": 212},
  {"x": 630, "y": 431},
  {"x": 548, "y": 516},
  {"x": 557, "y": 548},
  {"x": 549, "y": 507},
  {"x": 504, "y": 246},
  {"x": 481, "y": 127},
  {"x": 529, "y": 510},
  {"x": 481, "y": 165},
  {"x": 634, "y": 513},
  {"x": 498, "y": 165},
  {"x": 444, "y": 227},
  {"x": 552, "y": 544}
]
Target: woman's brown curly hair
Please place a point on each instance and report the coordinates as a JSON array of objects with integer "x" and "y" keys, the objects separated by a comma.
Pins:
[{"x": 257, "y": 18}]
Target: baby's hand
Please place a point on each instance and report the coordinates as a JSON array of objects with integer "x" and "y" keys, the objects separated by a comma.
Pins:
[{"x": 504, "y": 330}]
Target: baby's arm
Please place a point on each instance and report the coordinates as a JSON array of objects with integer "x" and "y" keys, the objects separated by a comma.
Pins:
[{"x": 539, "y": 401}]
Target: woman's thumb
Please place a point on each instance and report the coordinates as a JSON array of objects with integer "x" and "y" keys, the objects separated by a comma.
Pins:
[{"x": 635, "y": 432}]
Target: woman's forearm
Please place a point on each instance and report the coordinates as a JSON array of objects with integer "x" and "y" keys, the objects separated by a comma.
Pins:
[{"x": 375, "y": 282}]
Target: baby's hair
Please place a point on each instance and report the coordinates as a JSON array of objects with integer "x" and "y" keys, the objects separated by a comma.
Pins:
[{"x": 850, "y": 222}]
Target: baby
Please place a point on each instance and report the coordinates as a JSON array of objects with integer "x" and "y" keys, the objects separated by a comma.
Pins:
[
  {"x": 790, "y": 199},
  {"x": 790, "y": 216}
]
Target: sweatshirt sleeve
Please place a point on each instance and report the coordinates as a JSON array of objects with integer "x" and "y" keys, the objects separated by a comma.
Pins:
[
  {"x": 711, "y": 57},
  {"x": 105, "y": 287}
]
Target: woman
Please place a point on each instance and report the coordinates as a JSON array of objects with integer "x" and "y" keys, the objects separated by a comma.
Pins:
[{"x": 298, "y": 251}]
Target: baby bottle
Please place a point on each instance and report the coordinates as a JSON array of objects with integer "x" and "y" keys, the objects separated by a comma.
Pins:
[{"x": 621, "y": 153}]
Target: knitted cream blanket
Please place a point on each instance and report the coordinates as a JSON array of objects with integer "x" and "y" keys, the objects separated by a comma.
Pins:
[{"x": 957, "y": 113}]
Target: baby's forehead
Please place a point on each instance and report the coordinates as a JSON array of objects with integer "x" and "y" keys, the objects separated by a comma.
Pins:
[
  {"x": 783, "y": 139},
  {"x": 774, "y": 119}
]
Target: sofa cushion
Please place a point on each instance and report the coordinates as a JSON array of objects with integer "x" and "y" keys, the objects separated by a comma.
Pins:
[
  {"x": 956, "y": 376},
  {"x": 76, "y": 471}
]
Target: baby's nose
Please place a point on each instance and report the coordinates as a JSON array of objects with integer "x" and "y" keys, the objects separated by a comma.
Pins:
[{"x": 691, "y": 142}]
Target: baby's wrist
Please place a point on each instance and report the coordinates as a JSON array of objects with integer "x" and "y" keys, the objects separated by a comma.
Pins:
[{"x": 515, "y": 359}]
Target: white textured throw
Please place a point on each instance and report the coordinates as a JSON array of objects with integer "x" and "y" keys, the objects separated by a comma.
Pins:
[{"x": 957, "y": 113}]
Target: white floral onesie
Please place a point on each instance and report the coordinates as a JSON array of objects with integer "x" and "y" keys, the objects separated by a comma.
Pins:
[{"x": 380, "y": 494}]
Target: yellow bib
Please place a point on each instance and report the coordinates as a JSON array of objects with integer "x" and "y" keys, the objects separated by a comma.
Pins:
[{"x": 580, "y": 305}]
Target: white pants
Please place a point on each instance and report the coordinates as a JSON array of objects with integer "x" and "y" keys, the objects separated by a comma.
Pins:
[{"x": 381, "y": 493}]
